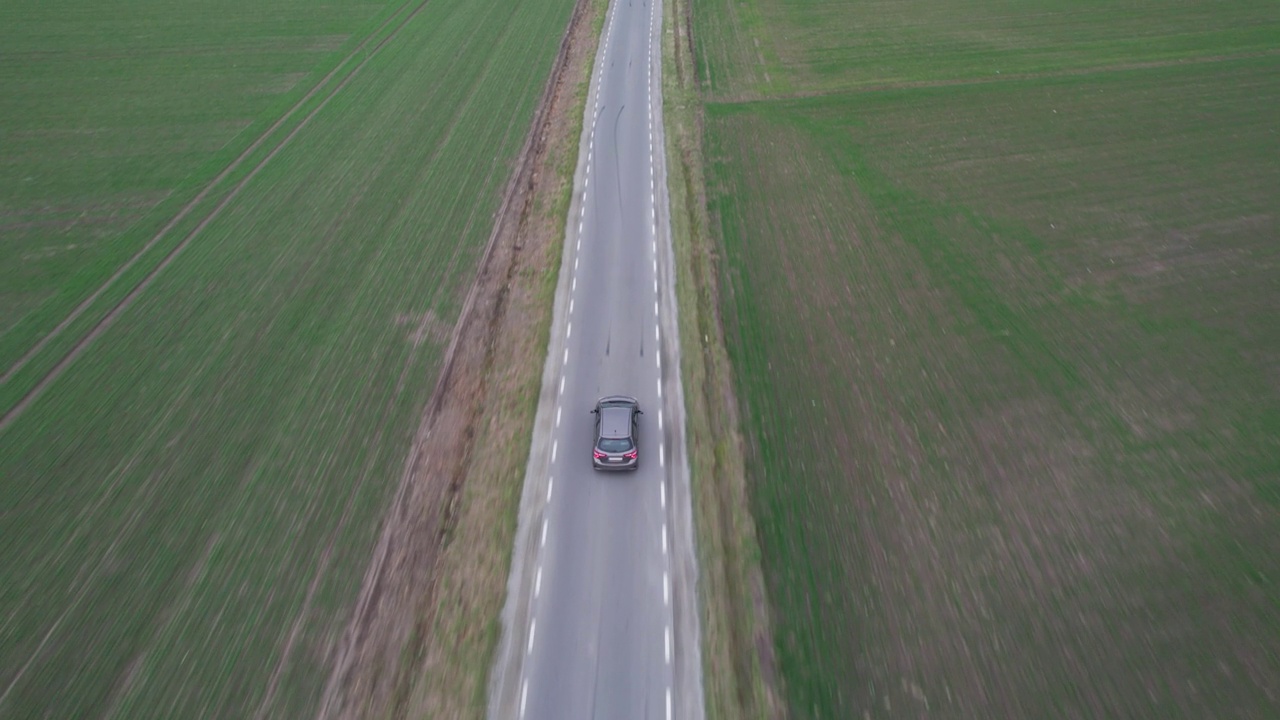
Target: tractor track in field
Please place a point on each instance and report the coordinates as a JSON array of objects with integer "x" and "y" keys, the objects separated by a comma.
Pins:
[
  {"x": 370, "y": 675},
  {"x": 396, "y": 21},
  {"x": 734, "y": 99}
]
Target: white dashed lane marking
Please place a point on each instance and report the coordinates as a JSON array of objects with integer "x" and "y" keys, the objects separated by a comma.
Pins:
[{"x": 653, "y": 212}]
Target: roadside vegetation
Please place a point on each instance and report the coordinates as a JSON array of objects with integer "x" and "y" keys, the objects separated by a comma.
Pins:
[
  {"x": 739, "y": 677},
  {"x": 444, "y": 669},
  {"x": 198, "y": 452},
  {"x": 998, "y": 286}
]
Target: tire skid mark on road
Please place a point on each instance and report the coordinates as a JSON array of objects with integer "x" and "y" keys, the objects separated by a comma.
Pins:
[
  {"x": 666, "y": 582},
  {"x": 582, "y": 216}
]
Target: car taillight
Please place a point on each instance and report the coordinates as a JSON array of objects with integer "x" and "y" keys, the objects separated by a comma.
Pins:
[
  {"x": 598, "y": 455},
  {"x": 631, "y": 455}
]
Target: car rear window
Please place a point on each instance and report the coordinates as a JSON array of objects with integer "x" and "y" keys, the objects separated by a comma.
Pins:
[{"x": 615, "y": 445}]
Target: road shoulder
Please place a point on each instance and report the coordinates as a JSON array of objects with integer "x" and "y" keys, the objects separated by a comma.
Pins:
[{"x": 739, "y": 673}]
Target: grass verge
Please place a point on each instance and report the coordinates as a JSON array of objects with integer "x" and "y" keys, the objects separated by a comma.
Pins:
[{"x": 737, "y": 649}]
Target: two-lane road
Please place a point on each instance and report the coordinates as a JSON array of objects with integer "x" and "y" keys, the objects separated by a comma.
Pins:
[{"x": 600, "y": 622}]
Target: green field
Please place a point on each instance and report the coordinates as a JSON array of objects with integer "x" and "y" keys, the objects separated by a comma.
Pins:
[
  {"x": 1006, "y": 349},
  {"x": 188, "y": 506}
]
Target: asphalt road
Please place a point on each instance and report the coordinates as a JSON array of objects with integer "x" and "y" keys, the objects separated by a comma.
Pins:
[{"x": 601, "y": 619}]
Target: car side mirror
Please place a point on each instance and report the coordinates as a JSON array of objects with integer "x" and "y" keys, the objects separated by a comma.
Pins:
[{"x": 593, "y": 411}]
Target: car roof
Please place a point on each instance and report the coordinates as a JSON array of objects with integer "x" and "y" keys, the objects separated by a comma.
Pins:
[
  {"x": 618, "y": 400},
  {"x": 615, "y": 422}
]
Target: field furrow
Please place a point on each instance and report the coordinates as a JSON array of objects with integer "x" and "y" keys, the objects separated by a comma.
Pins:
[{"x": 189, "y": 505}]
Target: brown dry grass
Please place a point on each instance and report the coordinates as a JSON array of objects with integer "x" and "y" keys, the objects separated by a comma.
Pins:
[{"x": 425, "y": 630}]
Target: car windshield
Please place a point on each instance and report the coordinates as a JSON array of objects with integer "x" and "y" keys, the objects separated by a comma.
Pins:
[{"x": 615, "y": 445}]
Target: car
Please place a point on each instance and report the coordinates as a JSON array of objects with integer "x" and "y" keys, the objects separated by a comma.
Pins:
[{"x": 617, "y": 433}]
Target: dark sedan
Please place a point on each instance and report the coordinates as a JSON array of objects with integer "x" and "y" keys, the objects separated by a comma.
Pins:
[{"x": 617, "y": 433}]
